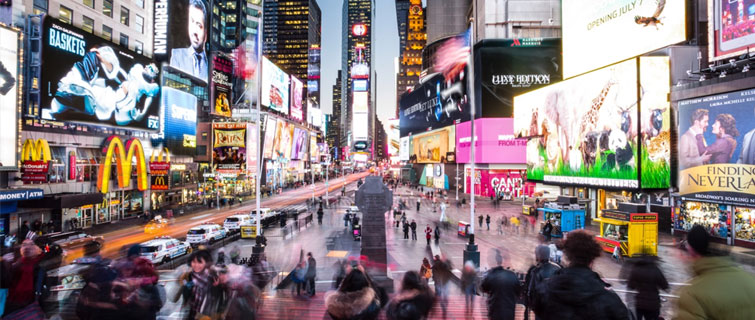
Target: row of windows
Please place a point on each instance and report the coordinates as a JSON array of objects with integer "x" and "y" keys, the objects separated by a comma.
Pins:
[
  {"x": 107, "y": 9},
  {"x": 66, "y": 15}
]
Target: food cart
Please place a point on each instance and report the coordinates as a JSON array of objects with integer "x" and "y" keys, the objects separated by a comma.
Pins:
[
  {"x": 636, "y": 233},
  {"x": 563, "y": 218}
]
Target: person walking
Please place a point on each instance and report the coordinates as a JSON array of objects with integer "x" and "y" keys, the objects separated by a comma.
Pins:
[
  {"x": 499, "y": 224},
  {"x": 413, "y": 226},
  {"x": 719, "y": 288},
  {"x": 578, "y": 292},
  {"x": 442, "y": 276},
  {"x": 418, "y": 202},
  {"x": 547, "y": 229},
  {"x": 479, "y": 221},
  {"x": 354, "y": 299},
  {"x": 515, "y": 223},
  {"x": 443, "y": 206},
  {"x": 24, "y": 279},
  {"x": 311, "y": 274},
  {"x": 487, "y": 221},
  {"x": 502, "y": 287},
  {"x": 536, "y": 276},
  {"x": 469, "y": 283},
  {"x": 428, "y": 234},
  {"x": 406, "y": 230},
  {"x": 413, "y": 302},
  {"x": 23, "y": 231},
  {"x": 320, "y": 214},
  {"x": 646, "y": 278},
  {"x": 437, "y": 234},
  {"x": 426, "y": 270}
]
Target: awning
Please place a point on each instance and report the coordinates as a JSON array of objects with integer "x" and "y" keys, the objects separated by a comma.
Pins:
[{"x": 64, "y": 200}]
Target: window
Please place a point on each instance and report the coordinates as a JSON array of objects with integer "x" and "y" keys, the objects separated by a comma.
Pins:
[
  {"x": 107, "y": 33},
  {"x": 86, "y": 164},
  {"x": 138, "y": 47},
  {"x": 65, "y": 14},
  {"x": 124, "y": 15},
  {"x": 41, "y": 5},
  {"x": 107, "y": 8},
  {"x": 88, "y": 24},
  {"x": 139, "y": 23},
  {"x": 58, "y": 169},
  {"x": 124, "y": 40},
  {"x": 89, "y": 3},
  {"x": 139, "y": 3}
]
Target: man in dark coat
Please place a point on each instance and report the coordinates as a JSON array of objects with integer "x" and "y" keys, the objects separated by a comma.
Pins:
[
  {"x": 547, "y": 229},
  {"x": 311, "y": 273},
  {"x": 502, "y": 287},
  {"x": 479, "y": 219},
  {"x": 23, "y": 232},
  {"x": 413, "y": 226},
  {"x": 536, "y": 276},
  {"x": 647, "y": 279},
  {"x": 406, "y": 230}
]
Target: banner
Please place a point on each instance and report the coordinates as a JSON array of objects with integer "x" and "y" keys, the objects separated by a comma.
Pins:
[
  {"x": 731, "y": 31},
  {"x": 221, "y": 86},
  {"x": 159, "y": 175},
  {"x": 717, "y": 149},
  {"x": 229, "y": 147},
  {"x": 433, "y": 147},
  {"x": 655, "y": 122},
  {"x": 507, "y": 183},
  {"x": 180, "y": 122},
  {"x": 180, "y": 35},
  {"x": 495, "y": 142},
  {"x": 252, "y": 148},
  {"x": 10, "y": 89},
  {"x": 405, "y": 149},
  {"x": 297, "y": 150},
  {"x": 314, "y": 150},
  {"x": 275, "y": 87},
  {"x": 270, "y": 134},
  {"x": 297, "y": 90},
  {"x": 35, "y": 161}
]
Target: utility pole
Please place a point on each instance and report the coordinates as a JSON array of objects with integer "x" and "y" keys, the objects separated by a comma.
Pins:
[{"x": 470, "y": 252}]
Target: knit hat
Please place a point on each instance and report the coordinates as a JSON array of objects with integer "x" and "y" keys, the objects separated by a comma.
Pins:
[
  {"x": 542, "y": 253},
  {"x": 698, "y": 239}
]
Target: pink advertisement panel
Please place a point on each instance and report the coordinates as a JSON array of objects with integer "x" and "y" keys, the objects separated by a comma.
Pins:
[
  {"x": 506, "y": 183},
  {"x": 495, "y": 142}
]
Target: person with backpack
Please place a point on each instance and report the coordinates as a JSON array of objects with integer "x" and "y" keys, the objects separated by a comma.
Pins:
[
  {"x": 426, "y": 270},
  {"x": 536, "y": 276},
  {"x": 413, "y": 302}
]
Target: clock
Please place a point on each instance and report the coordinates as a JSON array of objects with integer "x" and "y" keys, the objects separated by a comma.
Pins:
[
  {"x": 415, "y": 9},
  {"x": 359, "y": 29}
]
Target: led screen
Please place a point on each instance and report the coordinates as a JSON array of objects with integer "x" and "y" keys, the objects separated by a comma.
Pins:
[
  {"x": 359, "y": 126},
  {"x": 434, "y": 146},
  {"x": 221, "y": 87},
  {"x": 270, "y": 134},
  {"x": 229, "y": 147},
  {"x": 655, "y": 124},
  {"x": 297, "y": 89},
  {"x": 275, "y": 87},
  {"x": 9, "y": 102},
  {"x": 731, "y": 28},
  {"x": 180, "y": 35}
]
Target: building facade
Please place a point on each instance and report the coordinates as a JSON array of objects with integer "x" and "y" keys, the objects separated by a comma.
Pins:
[
  {"x": 446, "y": 18},
  {"x": 410, "y": 63},
  {"x": 356, "y": 67},
  {"x": 506, "y": 19}
]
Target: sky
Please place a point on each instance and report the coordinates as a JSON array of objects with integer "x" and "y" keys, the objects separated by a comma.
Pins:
[{"x": 384, "y": 51}]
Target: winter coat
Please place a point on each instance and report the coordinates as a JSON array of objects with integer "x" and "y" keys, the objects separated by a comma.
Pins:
[
  {"x": 502, "y": 287},
  {"x": 647, "y": 279},
  {"x": 719, "y": 290},
  {"x": 311, "y": 268},
  {"x": 410, "y": 305},
  {"x": 357, "y": 305},
  {"x": 579, "y": 293},
  {"x": 536, "y": 276},
  {"x": 242, "y": 302}
]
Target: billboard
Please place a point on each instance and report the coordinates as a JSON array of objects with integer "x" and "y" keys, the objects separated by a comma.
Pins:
[
  {"x": 730, "y": 28},
  {"x": 251, "y": 148},
  {"x": 507, "y": 183},
  {"x": 270, "y": 134},
  {"x": 113, "y": 148},
  {"x": 314, "y": 150},
  {"x": 180, "y": 35},
  {"x": 359, "y": 84},
  {"x": 405, "y": 149},
  {"x": 179, "y": 121},
  {"x": 10, "y": 89},
  {"x": 583, "y": 130},
  {"x": 275, "y": 87},
  {"x": 509, "y": 67},
  {"x": 88, "y": 79},
  {"x": 298, "y": 146},
  {"x": 435, "y": 104},
  {"x": 287, "y": 137},
  {"x": 297, "y": 89},
  {"x": 314, "y": 117},
  {"x": 229, "y": 147},
  {"x": 313, "y": 78},
  {"x": 655, "y": 123},
  {"x": 719, "y": 165},
  {"x": 433, "y": 147},
  {"x": 360, "y": 102},
  {"x": 360, "y": 69},
  {"x": 495, "y": 142},
  {"x": 359, "y": 127},
  {"x": 159, "y": 175},
  {"x": 221, "y": 86},
  {"x": 598, "y": 34}
]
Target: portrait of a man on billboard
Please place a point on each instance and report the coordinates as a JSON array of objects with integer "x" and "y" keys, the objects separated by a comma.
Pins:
[{"x": 193, "y": 59}]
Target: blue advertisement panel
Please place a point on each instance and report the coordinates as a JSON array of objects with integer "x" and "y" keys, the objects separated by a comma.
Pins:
[{"x": 180, "y": 121}]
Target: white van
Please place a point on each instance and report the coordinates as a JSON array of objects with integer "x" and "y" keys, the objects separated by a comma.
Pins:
[
  {"x": 206, "y": 233},
  {"x": 234, "y": 222}
]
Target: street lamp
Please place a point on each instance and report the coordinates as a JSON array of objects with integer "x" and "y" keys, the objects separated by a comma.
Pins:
[{"x": 470, "y": 252}]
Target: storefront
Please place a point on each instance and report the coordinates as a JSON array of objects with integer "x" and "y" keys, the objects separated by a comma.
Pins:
[
  {"x": 69, "y": 210},
  {"x": 714, "y": 217},
  {"x": 505, "y": 183}
]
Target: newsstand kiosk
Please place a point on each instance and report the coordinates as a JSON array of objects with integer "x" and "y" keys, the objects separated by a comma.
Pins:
[
  {"x": 565, "y": 215},
  {"x": 636, "y": 233}
]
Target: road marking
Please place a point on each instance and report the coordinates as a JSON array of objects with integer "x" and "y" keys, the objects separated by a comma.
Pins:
[
  {"x": 200, "y": 216},
  {"x": 454, "y": 243},
  {"x": 324, "y": 281}
]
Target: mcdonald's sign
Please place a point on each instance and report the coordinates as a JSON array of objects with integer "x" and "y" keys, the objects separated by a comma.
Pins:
[
  {"x": 114, "y": 147},
  {"x": 35, "y": 161},
  {"x": 159, "y": 182}
]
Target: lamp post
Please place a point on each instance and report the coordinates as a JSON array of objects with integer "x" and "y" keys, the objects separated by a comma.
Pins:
[
  {"x": 258, "y": 248},
  {"x": 470, "y": 251}
]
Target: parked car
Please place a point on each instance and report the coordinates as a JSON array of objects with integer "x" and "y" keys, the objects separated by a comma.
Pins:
[
  {"x": 164, "y": 249},
  {"x": 234, "y": 222},
  {"x": 206, "y": 233}
]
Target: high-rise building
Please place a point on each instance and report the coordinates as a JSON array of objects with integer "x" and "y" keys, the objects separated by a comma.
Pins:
[
  {"x": 446, "y": 18},
  {"x": 291, "y": 30},
  {"x": 402, "y": 15},
  {"x": 334, "y": 134},
  {"x": 380, "y": 141},
  {"x": 517, "y": 19},
  {"x": 410, "y": 64},
  {"x": 233, "y": 22}
]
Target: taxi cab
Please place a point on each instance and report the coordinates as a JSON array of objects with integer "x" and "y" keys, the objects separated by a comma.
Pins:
[{"x": 155, "y": 225}]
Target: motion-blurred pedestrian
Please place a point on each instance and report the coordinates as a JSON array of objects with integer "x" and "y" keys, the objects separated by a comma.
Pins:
[
  {"x": 243, "y": 297},
  {"x": 442, "y": 276},
  {"x": 406, "y": 230},
  {"x": 437, "y": 234},
  {"x": 547, "y": 229},
  {"x": 25, "y": 280},
  {"x": 469, "y": 283},
  {"x": 487, "y": 221},
  {"x": 355, "y": 298},
  {"x": 537, "y": 275},
  {"x": 647, "y": 279},
  {"x": 413, "y": 226},
  {"x": 199, "y": 288},
  {"x": 479, "y": 220},
  {"x": 311, "y": 274},
  {"x": 426, "y": 270},
  {"x": 414, "y": 301},
  {"x": 503, "y": 288},
  {"x": 428, "y": 234},
  {"x": 418, "y": 203}
]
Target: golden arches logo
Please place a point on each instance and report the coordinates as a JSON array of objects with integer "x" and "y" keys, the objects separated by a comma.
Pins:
[
  {"x": 38, "y": 150},
  {"x": 163, "y": 152},
  {"x": 114, "y": 147}
]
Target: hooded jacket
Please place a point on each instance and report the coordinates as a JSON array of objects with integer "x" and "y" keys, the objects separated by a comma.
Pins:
[
  {"x": 719, "y": 290},
  {"x": 579, "y": 293},
  {"x": 410, "y": 305},
  {"x": 356, "y": 305},
  {"x": 503, "y": 288},
  {"x": 647, "y": 279}
]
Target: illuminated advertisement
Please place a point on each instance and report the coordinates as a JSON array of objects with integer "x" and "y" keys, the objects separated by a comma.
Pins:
[
  {"x": 505, "y": 183},
  {"x": 433, "y": 147},
  {"x": 275, "y": 87},
  {"x": 442, "y": 98},
  {"x": 314, "y": 149},
  {"x": 298, "y": 146},
  {"x": 269, "y": 143},
  {"x": 359, "y": 84},
  {"x": 359, "y": 126},
  {"x": 276, "y": 138},
  {"x": 655, "y": 122},
  {"x": 10, "y": 89},
  {"x": 251, "y": 147},
  {"x": 719, "y": 165},
  {"x": 405, "y": 149},
  {"x": 179, "y": 121},
  {"x": 229, "y": 147},
  {"x": 314, "y": 117},
  {"x": 86, "y": 78},
  {"x": 313, "y": 78},
  {"x": 510, "y": 67},
  {"x": 495, "y": 142},
  {"x": 297, "y": 89},
  {"x": 360, "y": 69},
  {"x": 360, "y": 100},
  {"x": 598, "y": 34},
  {"x": 393, "y": 138},
  {"x": 731, "y": 28},
  {"x": 583, "y": 130},
  {"x": 180, "y": 35},
  {"x": 245, "y": 56},
  {"x": 221, "y": 86},
  {"x": 434, "y": 176},
  {"x": 287, "y": 138}
]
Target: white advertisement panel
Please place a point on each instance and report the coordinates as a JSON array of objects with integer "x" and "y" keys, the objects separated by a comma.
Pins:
[
  {"x": 360, "y": 102},
  {"x": 404, "y": 150},
  {"x": 275, "y": 87},
  {"x": 359, "y": 126},
  {"x": 9, "y": 103},
  {"x": 599, "y": 33}
]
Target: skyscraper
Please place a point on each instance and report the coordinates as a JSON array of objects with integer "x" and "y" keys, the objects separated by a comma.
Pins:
[
  {"x": 232, "y": 23},
  {"x": 402, "y": 16},
  {"x": 410, "y": 64},
  {"x": 446, "y": 18},
  {"x": 291, "y": 29},
  {"x": 334, "y": 134}
]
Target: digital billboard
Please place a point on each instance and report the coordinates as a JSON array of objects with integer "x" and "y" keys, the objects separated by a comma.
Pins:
[
  {"x": 221, "y": 86},
  {"x": 180, "y": 35},
  {"x": 314, "y": 150},
  {"x": 359, "y": 126},
  {"x": 229, "y": 147},
  {"x": 359, "y": 84},
  {"x": 360, "y": 101},
  {"x": 297, "y": 90},
  {"x": 277, "y": 139},
  {"x": 85, "y": 78},
  {"x": 495, "y": 142},
  {"x": 298, "y": 146},
  {"x": 179, "y": 121},
  {"x": 435, "y": 104},
  {"x": 655, "y": 133},
  {"x": 509, "y": 67},
  {"x": 275, "y": 87},
  {"x": 434, "y": 146},
  {"x": 270, "y": 134},
  {"x": 716, "y": 148},
  {"x": 10, "y": 88},
  {"x": 731, "y": 28},
  {"x": 287, "y": 138},
  {"x": 583, "y": 130},
  {"x": 251, "y": 148},
  {"x": 596, "y": 34},
  {"x": 405, "y": 149},
  {"x": 313, "y": 78}
]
